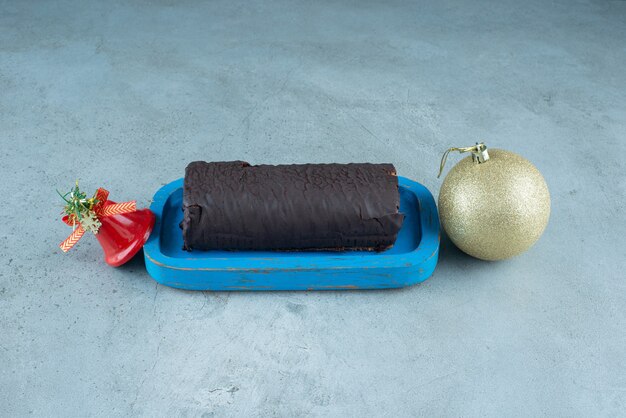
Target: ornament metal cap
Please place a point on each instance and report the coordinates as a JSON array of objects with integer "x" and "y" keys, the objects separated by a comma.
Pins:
[{"x": 479, "y": 154}]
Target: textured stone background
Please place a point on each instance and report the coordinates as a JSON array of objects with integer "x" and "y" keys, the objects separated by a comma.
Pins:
[{"x": 124, "y": 93}]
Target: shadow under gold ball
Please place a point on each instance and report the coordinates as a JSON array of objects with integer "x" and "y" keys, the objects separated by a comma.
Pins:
[{"x": 496, "y": 209}]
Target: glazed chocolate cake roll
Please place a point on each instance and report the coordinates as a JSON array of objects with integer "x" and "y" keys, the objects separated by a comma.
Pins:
[{"x": 238, "y": 206}]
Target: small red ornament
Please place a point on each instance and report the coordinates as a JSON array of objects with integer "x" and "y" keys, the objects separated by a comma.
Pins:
[
  {"x": 121, "y": 229},
  {"x": 122, "y": 236}
]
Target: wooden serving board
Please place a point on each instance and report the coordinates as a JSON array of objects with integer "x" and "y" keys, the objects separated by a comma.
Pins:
[{"x": 411, "y": 260}]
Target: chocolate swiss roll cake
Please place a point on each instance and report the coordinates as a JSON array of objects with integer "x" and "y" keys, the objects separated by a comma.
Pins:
[{"x": 238, "y": 206}]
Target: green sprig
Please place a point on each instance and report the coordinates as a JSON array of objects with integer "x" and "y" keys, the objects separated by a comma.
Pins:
[{"x": 77, "y": 204}]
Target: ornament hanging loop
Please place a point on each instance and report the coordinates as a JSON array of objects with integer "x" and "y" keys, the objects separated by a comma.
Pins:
[{"x": 479, "y": 154}]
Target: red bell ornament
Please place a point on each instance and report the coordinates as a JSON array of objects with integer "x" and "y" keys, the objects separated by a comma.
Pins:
[
  {"x": 121, "y": 229},
  {"x": 122, "y": 236}
]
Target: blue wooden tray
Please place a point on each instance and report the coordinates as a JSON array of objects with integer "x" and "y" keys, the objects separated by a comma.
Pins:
[{"x": 411, "y": 260}]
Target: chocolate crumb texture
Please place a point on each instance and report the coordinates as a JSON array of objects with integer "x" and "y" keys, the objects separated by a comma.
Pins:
[{"x": 238, "y": 206}]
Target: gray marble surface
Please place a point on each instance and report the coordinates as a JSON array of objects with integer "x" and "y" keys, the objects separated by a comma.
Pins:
[{"x": 123, "y": 94}]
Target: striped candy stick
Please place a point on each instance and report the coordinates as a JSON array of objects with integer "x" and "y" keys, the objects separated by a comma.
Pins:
[
  {"x": 118, "y": 208},
  {"x": 72, "y": 239}
]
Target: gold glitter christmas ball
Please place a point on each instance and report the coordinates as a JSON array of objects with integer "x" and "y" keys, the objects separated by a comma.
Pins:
[{"x": 495, "y": 209}]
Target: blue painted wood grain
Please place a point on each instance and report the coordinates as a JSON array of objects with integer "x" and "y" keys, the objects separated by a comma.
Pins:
[{"x": 411, "y": 260}]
